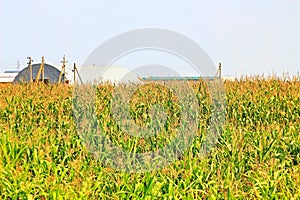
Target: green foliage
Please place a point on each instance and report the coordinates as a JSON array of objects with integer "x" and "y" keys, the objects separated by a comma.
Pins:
[{"x": 257, "y": 155}]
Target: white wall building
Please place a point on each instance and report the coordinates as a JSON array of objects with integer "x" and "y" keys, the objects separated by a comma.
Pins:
[{"x": 8, "y": 76}]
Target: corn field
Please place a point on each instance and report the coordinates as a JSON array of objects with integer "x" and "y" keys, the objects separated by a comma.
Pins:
[{"x": 257, "y": 155}]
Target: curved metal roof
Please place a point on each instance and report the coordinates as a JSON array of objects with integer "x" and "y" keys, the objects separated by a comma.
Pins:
[{"x": 51, "y": 74}]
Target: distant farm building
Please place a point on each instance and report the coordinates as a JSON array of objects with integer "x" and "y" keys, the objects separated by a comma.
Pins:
[
  {"x": 50, "y": 74},
  {"x": 8, "y": 76}
]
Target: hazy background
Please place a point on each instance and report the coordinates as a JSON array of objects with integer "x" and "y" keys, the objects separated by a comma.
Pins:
[{"x": 246, "y": 36}]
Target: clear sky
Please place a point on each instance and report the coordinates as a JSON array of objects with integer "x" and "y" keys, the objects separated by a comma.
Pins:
[{"x": 246, "y": 36}]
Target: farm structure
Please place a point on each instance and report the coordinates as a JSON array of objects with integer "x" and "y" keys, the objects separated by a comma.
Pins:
[
  {"x": 41, "y": 72},
  {"x": 46, "y": 73},
  {"x": 8, "y": 76},
  {"x": 51, "y": 74}
]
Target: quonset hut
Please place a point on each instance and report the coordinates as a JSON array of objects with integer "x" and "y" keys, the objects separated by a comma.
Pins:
[{"x": 51, "y": 74}]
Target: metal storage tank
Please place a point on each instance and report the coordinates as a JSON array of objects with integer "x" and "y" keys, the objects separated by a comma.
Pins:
[{"x": 51, "y": 74}]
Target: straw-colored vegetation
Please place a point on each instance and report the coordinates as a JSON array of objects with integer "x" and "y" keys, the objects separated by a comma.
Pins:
[{"x": 257, "y": 155}]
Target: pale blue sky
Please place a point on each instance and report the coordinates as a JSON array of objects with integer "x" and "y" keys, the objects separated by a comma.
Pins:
[{"x": 246, "y": 36}]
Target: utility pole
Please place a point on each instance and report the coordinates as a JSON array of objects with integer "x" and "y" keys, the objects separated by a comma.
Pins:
[
  {"x": 76, "y": 71},
  {"x": 30, "y": 69},
  {"x": 41, "y": 70},
  {"x": 64, "y": 61},
  {"x": 220, "y": 71},
  {"x": 18, "y": 65},
  {"x": 63, "y": 69}
]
